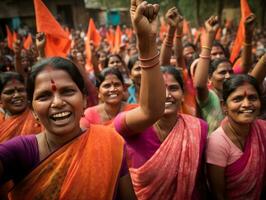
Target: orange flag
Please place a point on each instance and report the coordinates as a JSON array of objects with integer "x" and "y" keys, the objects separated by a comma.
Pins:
[
  {"x": 245, "y": 12},
  {"x": 110, "y": 36},
  {"x": 9, "y": 38},
  {"x": 94, "y": 36},
  {"x": 118, "y": 35},
  {"x": 57, "y": 41},
  {"x": 27, "y": 42},
  {"x": 186, "y": 27},
  {"x": 218, "y": 34}
]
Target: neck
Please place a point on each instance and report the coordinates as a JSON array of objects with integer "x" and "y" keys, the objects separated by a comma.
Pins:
[
  {"x": 56, "y": 141},
  {"x": 166, "y": 123},
  {"x": 112, "y": 110},
  {"x": 241, "y": 130}
]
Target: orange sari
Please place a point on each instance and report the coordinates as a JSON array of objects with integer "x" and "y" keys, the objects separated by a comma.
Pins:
[
  {"x": 22, "y": 124},
  {"x": 171, "y": 172},
  {"x": 86, "y": 168}
]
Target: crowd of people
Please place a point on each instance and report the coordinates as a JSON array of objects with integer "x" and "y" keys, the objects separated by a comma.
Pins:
[{"x": 166, "y": 116}]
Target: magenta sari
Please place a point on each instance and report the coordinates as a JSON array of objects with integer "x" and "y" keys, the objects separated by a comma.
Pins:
[{"x": 246, "y": 176}]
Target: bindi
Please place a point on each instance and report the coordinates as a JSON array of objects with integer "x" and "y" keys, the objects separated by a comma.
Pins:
[{"x": 53, "y": 85}]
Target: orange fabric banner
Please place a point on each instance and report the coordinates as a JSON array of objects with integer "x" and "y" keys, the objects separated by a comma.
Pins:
[
  {"x": 57, "y": 41},
  {"x": 27, "y": 42},
  {"x": 9, "y": 38},
  {"x": 240, "y": 36},
  {"x": 218, "y": 35},
  {"x": 85, "y": 168},
  {"x": 118, "y": 35}
]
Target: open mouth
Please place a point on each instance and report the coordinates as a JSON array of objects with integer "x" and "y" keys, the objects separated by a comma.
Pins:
[
  {"x": 60, "y": 116},
  {"x": 17, "y": 102},
  {"x": 113, "y": 95},
  {"x": 247, "y": 111}
]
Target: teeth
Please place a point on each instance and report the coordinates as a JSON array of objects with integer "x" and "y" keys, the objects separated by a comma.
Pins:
[
  {"x": 168, "y": 103},
  {"x": 113, "y": 95},
  {"x": 17, "y": 101},
  {"x": 247, "y": 111},
  {"x": 62, "y": 114}
]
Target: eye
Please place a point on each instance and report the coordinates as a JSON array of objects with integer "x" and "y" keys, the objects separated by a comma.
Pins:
[
  {"x": 106, "y": 85},
  {"x": 173, "y": 88},
  {"x": 9, "y": 92},
  {"x": 43, "y": 96},
  {"x": 223, "y": 72},
  {"x": 237, "y": 99},
  {"x": 253, "y": 97},
  {"x": 118, "y": 84},
  {"x": 68, "y": 91}
]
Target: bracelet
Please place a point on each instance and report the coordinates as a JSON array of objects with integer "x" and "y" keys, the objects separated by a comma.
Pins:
[
  {"x": 247, "y": 44},
  {"x": 206, "y": 47},
  {"x": 204, "y": 57},
  {"x": 178, "y": 36},
  {"x": 149, "y": 59},
  {"x": 150, "y": 62}
]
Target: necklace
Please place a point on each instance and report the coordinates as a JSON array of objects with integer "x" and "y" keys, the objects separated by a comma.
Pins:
[
  {"x": 159, "y": 132},
  {"x": 236, "y": 136},
  {"x": 109, "y": 117}
]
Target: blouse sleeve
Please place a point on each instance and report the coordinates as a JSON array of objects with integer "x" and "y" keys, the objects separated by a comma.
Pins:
[{"x": 217, "y": 150}]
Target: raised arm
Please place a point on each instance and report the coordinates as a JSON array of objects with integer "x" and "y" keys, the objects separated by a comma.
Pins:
[
  {"x": 246, "y": 55},
  {"x": 40, "y": 44},
  {"x": 152, "y": 91},
  {"x": 166, "y": 50},
  {"x": 259, "y": 71},
  {"x": 178, "y": 42},
  {"x": 17, "y": 46},
  {"x": 201, "y": 73}
]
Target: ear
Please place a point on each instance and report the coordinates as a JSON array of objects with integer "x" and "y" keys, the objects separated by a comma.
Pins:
[
  {"x": 224, "y": 107},
  {"x": 35, "y": 115},
  {"x": 84, "y": 102}
]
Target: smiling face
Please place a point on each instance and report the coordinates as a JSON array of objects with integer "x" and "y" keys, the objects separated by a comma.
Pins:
[
  {"x": 135, "y": 73},
  {"x": 111, "y": 90},
  {"x": 223, "y": 71},
  {"x": 217, "y": 52},
  {"x": 14, "y": 97},
  {"x": 58, "y": 102},
  {"x": 174, "y": 95},
  {"x": 243, "y": 104},
  {"x": 114, "y": 61}
]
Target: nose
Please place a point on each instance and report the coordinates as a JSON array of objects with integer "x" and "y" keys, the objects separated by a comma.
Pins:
[
  {"x": 246, "y": 102},
  {"x": 227, "y": 75},
  {"x": 57, "y": 101},
  {"x": 167, "y": 93},
  {"x": 16, "y": 93}
]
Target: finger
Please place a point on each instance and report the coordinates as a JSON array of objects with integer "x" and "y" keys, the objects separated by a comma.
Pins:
[
  {"x": 150, "y": 11},
  {"x": 156, "y": 9},
  {"x": 140, "y": 11}
]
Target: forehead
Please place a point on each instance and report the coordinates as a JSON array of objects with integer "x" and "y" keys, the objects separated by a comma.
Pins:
[
  {"x": 169, "y": 79},
  {"x": 189, "y": 49},
  {"x": 60, "y": 77},
  {"x": 111, "y": 77},
  {"x": 114, "y": 58},
  {"x": 216, "y": 49},
  {"x": 13, "y": 83},
  {"x": 247, "y": 88},
  {"x": 224, "y": 66}
]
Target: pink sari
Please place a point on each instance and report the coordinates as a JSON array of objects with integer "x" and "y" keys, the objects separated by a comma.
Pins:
[
  {"x": 246, "y": 176},
  {"x": 171, "y": 172}
]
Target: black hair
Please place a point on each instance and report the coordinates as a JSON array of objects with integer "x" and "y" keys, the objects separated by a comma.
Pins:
[
  {"x": 215, "y": 63},
  {"x": 58, "y": 63},
  {"x": 176, "y": 74},
  {"x": 231, "y": 84},
  {"x": 132, "y": 60},
  {"x": 5, "y": 77},
  {"x": 107, "y": 71}
]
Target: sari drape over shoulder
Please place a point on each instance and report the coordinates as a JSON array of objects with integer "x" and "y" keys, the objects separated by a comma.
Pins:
[
  {"x": 86, "y": 168},
  {"x": 171, "y": 172},
  {"x": 246, "y": 176},
  {"x": 22, "y": 124}
]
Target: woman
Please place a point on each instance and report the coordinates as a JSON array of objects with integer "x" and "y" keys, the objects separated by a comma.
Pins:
[
  {"x": 236, "y": 150},
  {"x": 64, "y": 161},
  {"x": 135, "y": 75},
  {"x": 110, "y": 92},
  {"x": 209, "y": 75},
  {"x": 157, "y": 152},
  {"x": 15, "y": 117}
]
